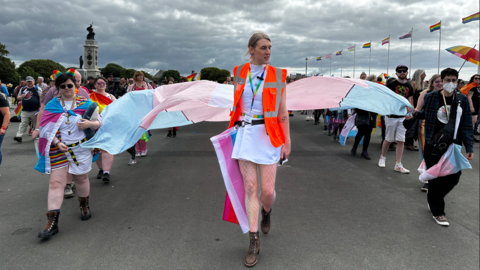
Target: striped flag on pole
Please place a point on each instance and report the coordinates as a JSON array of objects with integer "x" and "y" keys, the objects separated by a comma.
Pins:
[
  {"x": 385, "y": 41},
  {"x": 319, "y": 58},
  {"x": 328, "y": 56},
  {"x": 351, "y": 49},
  {"x": 408, "y": 35}
]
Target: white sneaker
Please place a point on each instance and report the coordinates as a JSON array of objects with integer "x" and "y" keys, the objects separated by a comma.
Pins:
[
  {"x": 441, "y": 220},
  {"x": 132, "y": 162},
  {"x": 308, "y": 118},
  {"x": 381, "y": 162},
  {"x": 399, "y": 168},
  {"x": 144, "y": 153},
  {"x": 138, "y": 154}
]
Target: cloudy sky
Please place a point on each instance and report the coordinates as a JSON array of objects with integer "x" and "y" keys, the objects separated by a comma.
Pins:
[{"x": 190, "y": 35}]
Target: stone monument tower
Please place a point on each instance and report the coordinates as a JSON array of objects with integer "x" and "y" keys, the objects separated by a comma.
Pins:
[{"x": 91, "y": 54}]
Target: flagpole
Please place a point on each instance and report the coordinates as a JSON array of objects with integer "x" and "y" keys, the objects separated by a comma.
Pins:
[
  {"x": 370, "y": 59},
  {"x": 330, "y": 65},
  {"x": 411, "y": 46},
  {"x": 388, "y": 57},
  {"x": 354, "y": 48},
  {"x": 341, "y": 68},
  {"x": 439, "y": 45}
]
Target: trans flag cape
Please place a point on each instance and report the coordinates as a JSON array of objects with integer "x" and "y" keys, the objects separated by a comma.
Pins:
[
  {"x": 234, "y": 209},
  {"x": 349, "y": 130},
  {"x": 450, "y": 163},
  {"x": 101, "y": 100},
  {"x": 53, "y": 116}
]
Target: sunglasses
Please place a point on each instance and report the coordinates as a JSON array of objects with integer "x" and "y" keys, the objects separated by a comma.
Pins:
[
  {"x": 402, "y": 71},
  {"x": 478, "y": 78},
  {"x": 63, "y": 86},
  {"x": 101, "y": 83}
]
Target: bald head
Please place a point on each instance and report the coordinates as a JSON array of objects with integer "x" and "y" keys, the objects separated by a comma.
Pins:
[{"x": 78, "y": 79}]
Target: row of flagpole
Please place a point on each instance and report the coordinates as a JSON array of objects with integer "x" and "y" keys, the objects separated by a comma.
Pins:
[{"x": 433, "y": 28}]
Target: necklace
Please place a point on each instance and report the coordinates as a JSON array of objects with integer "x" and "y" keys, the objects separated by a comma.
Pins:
[
  {"x": 446, "y": 107},
  {"x": 66, "y": 112}
]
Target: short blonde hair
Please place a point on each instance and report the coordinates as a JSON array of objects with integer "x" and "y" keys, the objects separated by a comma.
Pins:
[
  {"x": 252, "y": 42},
  {"x": 371, "y": 77}
]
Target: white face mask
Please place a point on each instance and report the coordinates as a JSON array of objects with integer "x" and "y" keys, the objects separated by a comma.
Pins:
[{"x": 449, "y": 87}]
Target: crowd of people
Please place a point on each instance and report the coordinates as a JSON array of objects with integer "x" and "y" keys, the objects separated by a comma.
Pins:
[{"x": 61, "y": 113}]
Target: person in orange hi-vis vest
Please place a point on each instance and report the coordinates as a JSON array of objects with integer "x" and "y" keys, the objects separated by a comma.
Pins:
[{"x": 263, "y": 137}]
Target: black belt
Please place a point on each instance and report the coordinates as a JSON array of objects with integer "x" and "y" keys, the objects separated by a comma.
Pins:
[
  {"x": 254, "y": 122},
  {"x": 77, "y": 143},
  {"x": 395, "y": 116}
]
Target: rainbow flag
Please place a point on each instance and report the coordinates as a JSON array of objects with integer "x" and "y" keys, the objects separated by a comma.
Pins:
[
  {"x": 338, "y": 53},
  {"x": 385, "y": 41},
  {"x": 351, "y": 49},
  {"x": 471, "y": 18},
  {"x": 319, "y": 58},
  {"x": 435, "y": 27},
  {"x": 328, "y": 56},
  {"x": 193, "y": 77},
  {"x": 367, "y": 45},
  {"x": 101, "y": 100},
  {"x": 18, "y": 110}
]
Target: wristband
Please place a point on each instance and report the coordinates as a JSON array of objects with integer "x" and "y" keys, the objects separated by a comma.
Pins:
[
  {"x": 4, "y": 127},
  {"x": 37, "y": 129}
]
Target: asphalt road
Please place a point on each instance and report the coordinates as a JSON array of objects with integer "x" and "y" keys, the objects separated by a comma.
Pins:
[{"x": 333, "y": 211}]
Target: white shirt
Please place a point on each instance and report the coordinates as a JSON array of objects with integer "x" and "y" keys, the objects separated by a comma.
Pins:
[{"x": 76, "y": 134}]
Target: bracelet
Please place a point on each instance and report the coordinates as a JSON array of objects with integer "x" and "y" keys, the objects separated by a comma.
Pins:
[
  {"x": 37, "y": 129},
  {"x": 4, "y": 127}
]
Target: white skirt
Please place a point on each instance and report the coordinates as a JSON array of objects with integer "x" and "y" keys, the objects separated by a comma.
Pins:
[
  {"x": 253, "y": 144},
  {"x": 84, "y": 158}
]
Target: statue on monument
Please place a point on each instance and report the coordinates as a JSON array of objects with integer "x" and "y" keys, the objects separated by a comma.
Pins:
[
  {"x": 81, "y": 62},
  {"x": 91, "y": 34}
]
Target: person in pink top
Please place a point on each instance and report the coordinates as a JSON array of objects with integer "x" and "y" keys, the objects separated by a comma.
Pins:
[{"x": 140, "y": 84}]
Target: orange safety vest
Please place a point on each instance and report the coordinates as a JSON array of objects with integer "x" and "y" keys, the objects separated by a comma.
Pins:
[{"x": 275, "y": 85}]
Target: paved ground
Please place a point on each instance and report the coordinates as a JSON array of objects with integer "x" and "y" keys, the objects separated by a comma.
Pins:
[{"x": 333, "y": 211}]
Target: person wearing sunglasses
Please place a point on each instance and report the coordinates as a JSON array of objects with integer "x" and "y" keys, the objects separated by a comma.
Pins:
[
  {"x": 61, "y": 134},
  {"x": 103, "y": 99},
  {"x": 394, "y": 123}
]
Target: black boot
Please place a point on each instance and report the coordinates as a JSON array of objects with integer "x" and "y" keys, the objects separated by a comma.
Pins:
[
  {"x": 174, "y": 132},
  {"x": 52, "y": 225},
  {"x": 106, "y": 177},
  {"x": 169, "y": 135},
  {"x": 265, "y": 224},
  {"x": 354, "y": 150},
  {"x": 84, "y": 208},
  {"x": 100, "y": 174}
]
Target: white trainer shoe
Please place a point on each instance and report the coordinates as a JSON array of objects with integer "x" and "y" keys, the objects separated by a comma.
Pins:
[
  {"x": 399, "y": 168},
  {"x": 381, "y": 162}
]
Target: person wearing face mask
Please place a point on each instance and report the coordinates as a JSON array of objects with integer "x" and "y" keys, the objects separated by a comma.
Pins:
[
  {"x": 435, "y": 84},
  {"x": 436, "y": 112},
  {"x": 103, "y": 99},
  {"x": 61, "y": 134},
  {"x": 394, "y": 123}
]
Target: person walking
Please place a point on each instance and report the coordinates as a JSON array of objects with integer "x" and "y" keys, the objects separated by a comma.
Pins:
[
  {"x": 440, "y": 113},
  {"x": 30, "y": 98},
  {"x": 138, "y": 85},
  {"x": 394, "y": 123},
  {"x": 472, "y": 91},
  {"x": 60, "y": 137},
  {"x": 263, "y": 136},
  {"x": 4, "y": 120},
  {"x": 411, "y": 135},
  {"x": 365, "y": 121}
]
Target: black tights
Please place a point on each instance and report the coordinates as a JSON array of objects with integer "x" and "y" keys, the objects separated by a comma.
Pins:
[
  {"x": 317, "y": 115},
  {"x": 365, "y": 132},
  {"x": 132, "y": 151}
]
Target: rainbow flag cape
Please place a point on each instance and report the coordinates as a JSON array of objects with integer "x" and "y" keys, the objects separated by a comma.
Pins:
[
  {"x": 18, "y": 110},
  {"x": 101, "y": 100},
  {"x": 319, "y": 58},
  {"x": 385, "y": 41},
  {"x": 193, "y": 77},
  {"x": 435, "y": 27},
  {"x": 367, "y": 45},
  {"x": 234, "y": 208},
  {"x": 471, "y": 18}
]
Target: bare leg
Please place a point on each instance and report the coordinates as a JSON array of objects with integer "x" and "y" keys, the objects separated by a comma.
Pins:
[
  {"x": 267, "y": 175},
  {"x": 69, "y": 178},
  {"x": 107, "y": 160},
  {"x": 83, "y": 185},
  {"x": 250, "y": 181},
  {"x": 385, "y": 146},
  {"x": 399, "y": 151},
  {"x": 58, "y": 180}
]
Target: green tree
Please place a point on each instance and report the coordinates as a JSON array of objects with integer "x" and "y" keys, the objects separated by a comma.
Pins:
[
  {"x": 171, "y": 73},
  {"x": 70, "y": 68},
  {"x": 8, "y": 74},
  {"x": 112, "y": 69},
  {"x": 214, "y": 74},
  {"x": 127, "y": 73},
  {"x": 41, "y": 67},
  {"x": 28, "y": 71},
  {"x": 3, "y": 50}
]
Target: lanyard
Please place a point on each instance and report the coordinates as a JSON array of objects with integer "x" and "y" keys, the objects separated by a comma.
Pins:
[
  {"x": 446, "y": 107},
  {"x": 258, "y": 85}
]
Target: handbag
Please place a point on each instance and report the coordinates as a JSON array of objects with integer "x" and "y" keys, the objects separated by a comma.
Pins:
[{"x": 445, "y": 137}]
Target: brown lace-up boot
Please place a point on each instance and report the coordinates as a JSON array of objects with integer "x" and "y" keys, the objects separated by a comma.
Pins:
[
  {"x": 52, "y": 225},
  {"x": 84, "y": 208},
  {"x": 253, "y": 249},
  {"x": 265, "y": 224}
]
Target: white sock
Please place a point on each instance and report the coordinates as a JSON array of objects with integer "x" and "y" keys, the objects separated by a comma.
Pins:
[{"x": 106, "y": 172}]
